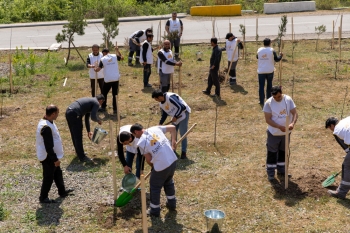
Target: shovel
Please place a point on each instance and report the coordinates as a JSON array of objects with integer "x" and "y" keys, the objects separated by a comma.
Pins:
[
  {"x": 125, "y": 197},
  {"x": 330, "y": 180}
]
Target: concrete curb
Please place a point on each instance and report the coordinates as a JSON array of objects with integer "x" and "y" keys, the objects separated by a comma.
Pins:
[{"x": 92, "y": 21}]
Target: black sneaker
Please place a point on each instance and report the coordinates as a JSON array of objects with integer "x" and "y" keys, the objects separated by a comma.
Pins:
[
  {"x": 183, "y": 155},
  {"x": 335, "y": 194},
  {"x": 170, "y": 207},
  {"x": 148, "y": 85},
  {"x": 205, "y": 92},
  {"x": 47, "y": 201}
]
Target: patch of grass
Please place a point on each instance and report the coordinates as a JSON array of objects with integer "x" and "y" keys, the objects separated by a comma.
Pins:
[{"x": 229, "y": 175}]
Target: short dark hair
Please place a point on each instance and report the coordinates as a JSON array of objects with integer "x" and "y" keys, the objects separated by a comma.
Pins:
[
  {"x": 95, "y": 45},
  {"x": 331, "y": 121},
  {"x": 125, "y": 136},
  {"x": 105, "y": 50},
  {"x": 135, "y": 127},
  {"x": 100, "y": 97},
  {"x": 214, "y": 40},
  {"x": 148, "y": 30},
  {"x": 51, "y": 109},
  {"x": 148, "y": 35},
  {"x": 228, "y": 35},
  {"x": 275, "y": 90},
  {"x": 267, "y": 41},
  {"x": 157, "y": 93}
]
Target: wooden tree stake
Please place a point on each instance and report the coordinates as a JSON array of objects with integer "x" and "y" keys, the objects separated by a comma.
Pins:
[
  {"x": 280, "y": 65},
  {"x": 111, "y": 144},
  {"x": 292, "y": 30},
  {"x": 143, "y": 203},
  {"x": 333, "y": 37},
  {"x": 11, "y": 81},
  {"x": 180, "y": 74},
  {"x": 339, "y": 39},
  {"x": 229, "y": 26},
  {"x": 286, "y": 153}
]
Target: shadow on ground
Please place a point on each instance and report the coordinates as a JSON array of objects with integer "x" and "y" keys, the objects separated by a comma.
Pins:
[
  {"x": 77, "y": 166},
  {"x": 238, "y": 89},
  {"x": 49, "y": 214}
]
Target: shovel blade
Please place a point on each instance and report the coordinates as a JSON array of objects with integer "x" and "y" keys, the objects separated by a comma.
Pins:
[
  {"x": 330, "y": 180},
  {"x": 124, "y": 198}
]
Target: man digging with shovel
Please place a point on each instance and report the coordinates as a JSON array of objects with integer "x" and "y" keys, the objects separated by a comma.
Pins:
[
  {"x": 159, "y": 154},
  {"x": 341, "y": 132}
]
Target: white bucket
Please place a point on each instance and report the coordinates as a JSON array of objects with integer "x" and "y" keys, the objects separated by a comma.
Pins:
[{"x": 215, "y": 219}]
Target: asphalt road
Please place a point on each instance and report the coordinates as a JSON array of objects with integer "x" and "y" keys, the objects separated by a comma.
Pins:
[{"x": 196, "y": 29}]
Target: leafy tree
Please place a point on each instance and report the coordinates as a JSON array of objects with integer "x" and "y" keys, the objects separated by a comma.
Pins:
[
  {"x": 319, "y": 30},
  {"x": 110, "y": 23},
  {"x": 76, "y": 25}
]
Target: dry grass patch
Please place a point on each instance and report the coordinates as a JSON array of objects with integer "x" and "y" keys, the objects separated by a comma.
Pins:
[{"x": 229, "y": 175}]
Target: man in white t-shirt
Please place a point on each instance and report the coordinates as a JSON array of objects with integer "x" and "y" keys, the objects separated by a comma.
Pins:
[
  {"x": 174, "y": 24},
  {"x": 159, "y": 154},
  {"x": 276, "y": 109},
  {"x": 341, "y": 133},
  {"x": 230, "y": 47},
  {"x": 110, "y": 66}
]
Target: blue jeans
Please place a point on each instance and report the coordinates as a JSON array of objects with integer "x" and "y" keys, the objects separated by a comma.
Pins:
[
  {"x": 130, "y": 159},
  {"x": 262, "y": 78},
  {"x": 183, "y": 127}
]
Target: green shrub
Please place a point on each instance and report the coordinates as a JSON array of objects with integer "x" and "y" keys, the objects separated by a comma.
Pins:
[{"x": 327, "y": 4}]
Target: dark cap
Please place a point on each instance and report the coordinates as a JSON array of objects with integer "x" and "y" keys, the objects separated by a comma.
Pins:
[
  {"x": 105, "y": 50},
  {"x": 228, "y": 35},
  {"x": 267, "y": 41}
]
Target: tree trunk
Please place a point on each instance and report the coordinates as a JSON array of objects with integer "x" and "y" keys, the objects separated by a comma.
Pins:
[{"x": 69, "y": 41}]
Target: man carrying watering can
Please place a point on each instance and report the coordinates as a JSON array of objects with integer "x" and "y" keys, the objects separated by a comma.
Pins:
[
  {"x": 341, "y": 132},
  {"x": 159, "y": 154},
  {"x": 86, "y": 107},
  {"x": 125, "y": 137}
]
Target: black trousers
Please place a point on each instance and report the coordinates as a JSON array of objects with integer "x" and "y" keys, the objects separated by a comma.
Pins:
[
  {"x": 213, "y": 79},
  {"x": 115, "y": 89},
  {"x": 146, "y": 74},
  {"x": 51, "y": 174},
  {"x": 100, "y": 82},
  {"x": 75, "y": 124}
]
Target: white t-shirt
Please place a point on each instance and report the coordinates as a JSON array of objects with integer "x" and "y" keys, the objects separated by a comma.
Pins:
[
  {"x": 279, "y": 112},
  {"x": 154, "y": 142},
  {"x": 342, "y": 130},
  {"x": 175, "y": 25},
  {"x": 132, "y": 147}
]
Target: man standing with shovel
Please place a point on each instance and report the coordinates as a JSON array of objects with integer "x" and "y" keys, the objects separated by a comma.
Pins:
[
  {"x": 277, "y": 109},
  {"x": 341, "y": 132}
]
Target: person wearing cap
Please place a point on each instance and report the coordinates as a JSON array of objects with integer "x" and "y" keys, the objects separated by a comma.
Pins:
[
  {"x": 146, "y": 59},
  {"x": 111, "y": 75},
  {"x": 135, "y": 41},
  {"x": 92, "y": 62},
  {"x": 276, "y": 109},
  {"x": 230, "y": 47},
  {"x": 173, "y": 25},
  {"x": 213, "y": 78},
  {"x": 84, "y": 107},
  {"x": 166, "y": 65},
  {"x": 266, "y": 65},
  {"x": 341, "y": 133}
]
